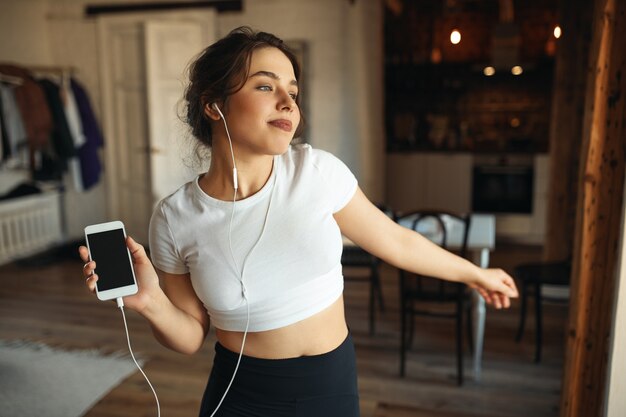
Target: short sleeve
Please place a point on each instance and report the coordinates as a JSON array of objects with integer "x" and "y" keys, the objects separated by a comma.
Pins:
[
  {"x": 163, "y": 249},
  {"x": 340, "y": 181}
]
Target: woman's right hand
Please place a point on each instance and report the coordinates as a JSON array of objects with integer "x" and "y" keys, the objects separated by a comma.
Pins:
[{"x": 147, "y": 278}]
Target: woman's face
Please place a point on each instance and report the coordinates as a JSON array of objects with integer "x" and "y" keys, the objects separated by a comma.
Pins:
[{"x": 263, "y": 115}]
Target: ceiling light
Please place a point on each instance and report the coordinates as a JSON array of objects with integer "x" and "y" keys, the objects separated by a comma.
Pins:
[
  {"x": 557, "y": 31},
  {"x": 455, "y": 37},
  {"x": 489, "y": 71},
  {"x": 516, "y": 70}
]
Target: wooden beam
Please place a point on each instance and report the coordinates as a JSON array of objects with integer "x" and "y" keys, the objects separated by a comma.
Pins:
[
  {"x": 566, "y": 125},
  {"x": 598, "y": 217},
  {"x": 218, "y": 5}
]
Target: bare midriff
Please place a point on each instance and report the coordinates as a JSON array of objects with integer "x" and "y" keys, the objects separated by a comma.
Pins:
[{"x": 316, "y": 335}]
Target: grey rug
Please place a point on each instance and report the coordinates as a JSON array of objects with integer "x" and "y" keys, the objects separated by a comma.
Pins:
[{"x": 36, "y": 380}]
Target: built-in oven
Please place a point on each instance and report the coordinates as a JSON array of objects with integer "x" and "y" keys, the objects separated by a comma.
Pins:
[{"x": 502, "y": 186}]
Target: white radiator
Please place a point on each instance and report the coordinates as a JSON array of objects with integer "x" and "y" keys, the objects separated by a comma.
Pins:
[{"x": 29, "y": 225}]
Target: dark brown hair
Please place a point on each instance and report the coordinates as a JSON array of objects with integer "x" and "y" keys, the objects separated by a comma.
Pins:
[{"x": 221, "y": 70}]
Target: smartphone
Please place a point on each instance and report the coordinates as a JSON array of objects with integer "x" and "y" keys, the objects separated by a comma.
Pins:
[{"x": 107, "y": 246}]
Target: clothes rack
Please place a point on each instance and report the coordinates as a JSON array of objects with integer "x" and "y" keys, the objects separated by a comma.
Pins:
[
  {"x": 11, "y": 79},
  {"x": 62, "y": 72},
  {"x": 46, "y": 209},
  {"x": 58, "y": 69}
]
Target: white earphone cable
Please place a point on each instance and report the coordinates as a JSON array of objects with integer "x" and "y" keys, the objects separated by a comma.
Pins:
[
  {"x": 232, "y": 254},
  {"x": 120, "y": 304},
  {"x": 232, "y": 154}
]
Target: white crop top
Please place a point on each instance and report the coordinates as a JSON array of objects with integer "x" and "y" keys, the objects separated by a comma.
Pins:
[{"x": 295, "y": 270}]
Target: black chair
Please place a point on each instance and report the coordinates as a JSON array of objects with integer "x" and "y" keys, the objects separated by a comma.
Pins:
[
  {"x": 531, "y": 277},
  {"x": 419, "y": 294},
  {"x": 355, "y": 257}
]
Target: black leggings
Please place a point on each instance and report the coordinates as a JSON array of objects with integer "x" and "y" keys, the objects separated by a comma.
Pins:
[{"x": 309, "y": 386}]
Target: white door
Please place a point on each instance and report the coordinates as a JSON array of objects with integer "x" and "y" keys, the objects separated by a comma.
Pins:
[
  {"x": 170, "y": 46},
  {"x": 125, "y": 86}
]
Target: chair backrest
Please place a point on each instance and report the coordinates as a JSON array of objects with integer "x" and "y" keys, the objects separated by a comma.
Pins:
[
  {"x": 450, "y": 231},
  {"x": 385, "y": 209},
  {"x": 550, "y": 272},
  {"x": 353, "y": 255}
]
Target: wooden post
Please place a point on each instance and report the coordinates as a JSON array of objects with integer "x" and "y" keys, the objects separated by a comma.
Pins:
[
  {"x": 566, "y": 125},
  {"x": 598, "y": 216}
]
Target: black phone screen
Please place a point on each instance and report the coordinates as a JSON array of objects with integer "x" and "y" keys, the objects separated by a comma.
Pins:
[{"x": 109, "y": 251}]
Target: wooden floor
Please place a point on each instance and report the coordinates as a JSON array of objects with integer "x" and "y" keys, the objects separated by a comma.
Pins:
[{"x": 48, "y": 303}]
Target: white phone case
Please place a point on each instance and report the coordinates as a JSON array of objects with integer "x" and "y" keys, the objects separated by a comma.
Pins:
[{"x": 112, "y": 293}]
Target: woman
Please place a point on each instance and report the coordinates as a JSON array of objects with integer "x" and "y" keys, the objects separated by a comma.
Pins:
[{"x": 254, "y": 245}]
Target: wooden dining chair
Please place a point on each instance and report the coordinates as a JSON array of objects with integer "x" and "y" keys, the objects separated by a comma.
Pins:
[
  {"x": 355, "y": 257},
  {"x": 421, "y": 295},
  {"x": 532, "y": 277}
]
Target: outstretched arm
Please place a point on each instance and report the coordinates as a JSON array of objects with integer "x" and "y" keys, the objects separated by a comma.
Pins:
[{"x": 364, "y": 224}]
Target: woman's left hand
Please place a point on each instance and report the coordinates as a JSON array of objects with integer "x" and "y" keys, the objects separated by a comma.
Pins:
[{"x": 496, "y": 287}]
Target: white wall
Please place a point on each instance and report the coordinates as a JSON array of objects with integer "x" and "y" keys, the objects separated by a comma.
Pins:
[
  {"x": 615, "y": 405},
  {"x": 24, "y": 30},
  {"x": 364, "y": 135}
]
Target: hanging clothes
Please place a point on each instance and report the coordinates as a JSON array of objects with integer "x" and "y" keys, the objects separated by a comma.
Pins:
[
  {"x": 58, "y": 124},
  {"x": 14, "y": 133},
  {"x": 72, "y": 114},
  {"x": 5, "y": 147},
  {"x": 33, "y": 106},
  {"x": 76, "y": 130},
  {"x": 90, "y": 164},
  {"x": 61, "y": 137}
]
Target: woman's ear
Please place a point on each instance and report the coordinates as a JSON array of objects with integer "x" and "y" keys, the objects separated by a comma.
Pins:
[{"x": 211, "y": 112}]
